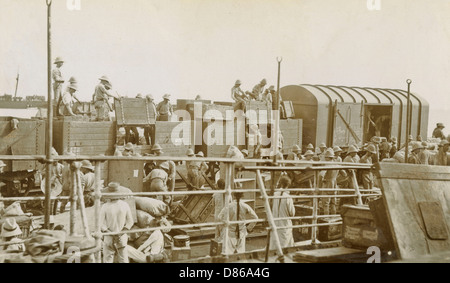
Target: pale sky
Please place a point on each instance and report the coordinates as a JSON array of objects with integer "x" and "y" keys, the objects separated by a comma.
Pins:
[{"x": 190, "y": 47}]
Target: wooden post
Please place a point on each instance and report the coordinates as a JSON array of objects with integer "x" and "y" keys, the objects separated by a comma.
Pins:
[
  {"x": 73, "y": 199},
  {"x": 315, "y": 208},
  {"x": 49, "y": 135},
  {"x": 228, "y": 180},
  {"x": 82, "y": 207},
  {"x": 97, "y": 205},
  {"x": 408, "y": 121},
  {"x": 358, "y": 193},
  {"x": 270, "y": 219}
]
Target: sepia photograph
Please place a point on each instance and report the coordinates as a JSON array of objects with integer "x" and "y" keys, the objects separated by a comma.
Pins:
[{"x": 224, "y": 132}]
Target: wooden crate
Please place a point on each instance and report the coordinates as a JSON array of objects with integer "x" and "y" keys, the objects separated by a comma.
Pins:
[
  {"x": 27, "y": 139},
  {"x": 134, "y": 112},
  {"x": 84, "y": 138},
  {"x": 359, "y": 228},
  {"x": 232, "y": 134},
  {"x": 291, "y": 129},
  {"x": 258, "y": 112},
  {"x": 164, "y": 137},
  {"x": 194, "y": 209},
  {"x": 128, "y": 173},
  {"x": 330, "y": 232}
]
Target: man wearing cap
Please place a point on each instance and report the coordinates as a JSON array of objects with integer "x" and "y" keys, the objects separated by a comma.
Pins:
[
  {"x": 115, "y": 216},
  {"x": 385, "y": 148},
  {"x": 310, "y": 147},
  {"x": 321, "y": 152},
  {"x": 294, "y": 155},
  {"x": 258, "y": 90},
  {"x": 194, "y": 169},
  {"x": 367, "y": 176},
  {"x": 237, "y": 233},
  {"x": 352, "y": 157},
  {"x": 394, "y": 147},
  {"x": 149, "y": 130},
  {"x": 129, "y": 150},
  {"x": 66, "y": 104},
  {"x": 416, "y": 149},
  {"x": 156, "y": 181},
  {"x": 164, "y": 109},
  {"x": 58, "y": 80},
  {"x": 329, "y": 182},
  {"x": 267, "y": 95},
  {"x": 337, "y": 154},
  {"x": 438, "y": 131},
  {"x": 88, "y": 182},
  {"x": 101, "y": 99},
  {"x": 238, "y": 96},
  {"x": 441, "y": 158}
]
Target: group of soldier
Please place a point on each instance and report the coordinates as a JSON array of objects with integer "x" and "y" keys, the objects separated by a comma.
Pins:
[{"x": 258, "y": 93}]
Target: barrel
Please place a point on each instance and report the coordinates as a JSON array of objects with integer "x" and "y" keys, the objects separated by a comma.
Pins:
[{"x": 181, "y": 241}]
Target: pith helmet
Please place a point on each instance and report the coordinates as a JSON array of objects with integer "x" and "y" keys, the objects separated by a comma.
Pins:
[
  {"x": 443, "y": 142},
  {"x": 238, "y": 82},
  {"x": 87, "y": 164},
  {"x": 149, "y": 96},
  {"x": 129, "y": 146},
  {"x": 337, "y": 149},
  {"x": 156, "y": 147},
  {"x": 329, "y": 153},
  {"x": 310, "y": 146},
  {"x": 104, "y": 78},
  {"x": 371, "y": 148},
  {"x": 58, "y": 60},
  {"x": 200, "y": 154},
  {"x": 72, "y": 80},
  {"x": 166, "y": 96},
  {"x": 10, "y": 228},
  {"x": 309, "y": 152},
  {"x": 245, "y": 152},
  {"x": 416, "y": 146},
  {"x": 440, "y": 125},
  {"x": 296, "y": 148},
  {"x": 410, "y": 137},
  {"x": 73, "y": 86},
  {"x": 164, "y": 165},
  {"x": 322, "y": 145},
  {"x": 263, "y": 81},
  {"x": 190, "y": 152},
  {"x": 139, "y": 95},
  {"x": 351, "y": 149}
]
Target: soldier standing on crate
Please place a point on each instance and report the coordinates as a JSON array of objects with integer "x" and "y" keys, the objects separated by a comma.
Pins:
[
  {"x": 238, "y": 211},
  {"x": 58, "y": 80},
  {"x": 101, "y": 99},
  {"x": 283, "y": 207},
  {"x": 149, "y": 130},
  {"x": 164, "y": 109},
  {"x": 115, "y": 216}
]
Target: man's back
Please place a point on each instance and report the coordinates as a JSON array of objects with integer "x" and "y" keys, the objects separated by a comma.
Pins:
[{"x": 115, "y": 215}]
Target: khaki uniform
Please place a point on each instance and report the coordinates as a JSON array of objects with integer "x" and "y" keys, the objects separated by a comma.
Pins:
[
  {"x": 164, "y": 110},
  {"x": 101, "y": 102},
  {"x": 367, "y": 176},
  {"x": 441, "y": 158},
  {"x": 438, "y": 133},
  {"x": 58, "y": 81}
]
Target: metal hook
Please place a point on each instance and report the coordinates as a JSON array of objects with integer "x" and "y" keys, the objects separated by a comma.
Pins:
[
  {"x": 408, "y": 81},
  {"x": 279, "y": 59}
]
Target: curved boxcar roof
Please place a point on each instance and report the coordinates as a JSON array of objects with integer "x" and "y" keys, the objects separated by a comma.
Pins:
[{"x": 320, "y": 98}]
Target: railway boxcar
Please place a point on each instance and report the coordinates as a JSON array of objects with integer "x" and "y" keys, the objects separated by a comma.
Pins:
[
  {"x": 20, "y": 137},
  {"x": 339, "y": 115}
]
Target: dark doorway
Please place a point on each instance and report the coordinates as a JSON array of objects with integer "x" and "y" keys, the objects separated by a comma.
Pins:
[{"x": 377, "y": 121}]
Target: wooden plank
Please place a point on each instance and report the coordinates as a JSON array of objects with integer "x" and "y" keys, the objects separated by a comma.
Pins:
[
  {"x": 434, "y": 220},
  {"x": 90, "y": 131},
  {"x": 101, "y": 125},
  {"x": 91, "y": 142},
  {"x": 327, "y": 255},
  {"x": 401, "y": 197},
  {"x": 99, "y": 136},
  {"x": 424, "y": 191},
  {"x": 413, "y": 171}
]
